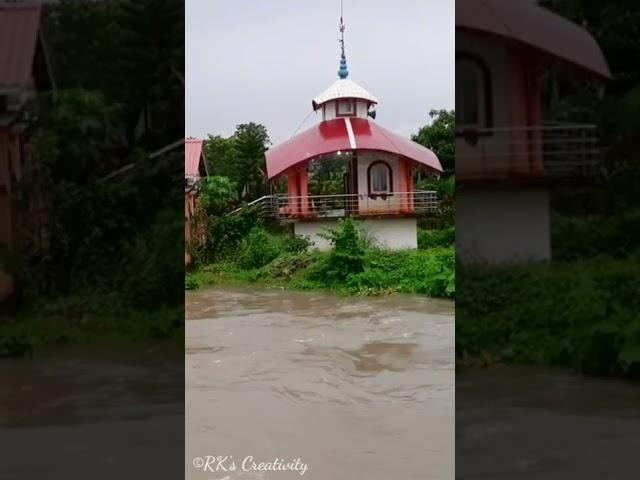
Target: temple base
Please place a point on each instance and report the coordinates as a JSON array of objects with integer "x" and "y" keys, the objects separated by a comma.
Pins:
[
  {"x": 389, "y": 233},
  {"x": 503, "y": 226}
]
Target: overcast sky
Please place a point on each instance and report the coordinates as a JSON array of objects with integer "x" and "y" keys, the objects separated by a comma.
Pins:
[{"x": 264, "y": 60}]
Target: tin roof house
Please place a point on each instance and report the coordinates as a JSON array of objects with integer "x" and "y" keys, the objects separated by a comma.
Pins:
[
  {"x": 508, "y": 156},
  {"x": 24, "y": 71},
  {"x": 195, "y": 168},
  {"x": 378, "y": 170}
]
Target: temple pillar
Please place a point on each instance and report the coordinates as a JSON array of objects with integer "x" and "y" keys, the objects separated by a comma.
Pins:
[
  {"x": 303, "y": 180},
  {"x": 293, "y": 186},
  {"x": 402, "y": 179},
  {"x": 409, "y": 181}
]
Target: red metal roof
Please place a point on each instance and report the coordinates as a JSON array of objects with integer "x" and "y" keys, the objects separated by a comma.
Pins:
[
  {"x": 19, "y": 24},
  {"x": 192, "y": 156},
  {"x": 529, "y": 23},
  {"x": 345, "y": 134}
]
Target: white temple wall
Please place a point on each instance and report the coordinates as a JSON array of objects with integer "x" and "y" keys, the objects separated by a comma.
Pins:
[
  {"x": 365, "y": 159},
  {"x": 390, "y": 233},
  {"x": 502, "y": 226}
]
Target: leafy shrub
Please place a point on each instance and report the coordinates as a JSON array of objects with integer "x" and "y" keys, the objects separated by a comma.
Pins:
[
  {"x": 225, "y": 234},
  {"x": 152, "y": 266},
  {"x": 258, "y": 249},
  {"x": 286, "y": 265},
  {"x": 583, "y": 237},
  {"x": 581, "y": 315},
  {"x": 191, "y": 283},
  {"x": 346, "y": 257},
  {"x": 436, "y": 238},
  {"x": 296, "y": 243}
]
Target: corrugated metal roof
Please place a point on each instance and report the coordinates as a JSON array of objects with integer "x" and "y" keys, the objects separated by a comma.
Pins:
[
  {"x": 343, "y": 88},
  {"x": 345, "y": 134},
  {"x": 531, "y": 24},
  {"x": 19, "y": 24},
  {"x": 192, "y": 156}
]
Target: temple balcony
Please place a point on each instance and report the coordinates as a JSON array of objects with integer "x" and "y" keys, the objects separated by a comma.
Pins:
[
  {"x": 552, "y": 152},
  {"x": 313, "y": 207}
]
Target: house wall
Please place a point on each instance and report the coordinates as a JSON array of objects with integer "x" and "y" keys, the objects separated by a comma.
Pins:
[
  {"x": 391, "y": 233},
  {"x": 502, "y": 226}
]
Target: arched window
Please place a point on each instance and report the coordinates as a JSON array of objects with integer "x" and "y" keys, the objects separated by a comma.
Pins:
[
  {"x": 380, "y": 178},
  {"x": 473, "y": 93}
]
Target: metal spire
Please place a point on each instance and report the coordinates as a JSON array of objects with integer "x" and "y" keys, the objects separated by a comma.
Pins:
[{"x": 343, "y": 72}]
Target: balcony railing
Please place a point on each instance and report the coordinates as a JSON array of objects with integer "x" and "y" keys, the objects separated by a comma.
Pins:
[
  {"x": 547, "y": 151},
  {"x": 285, "y": 207}
]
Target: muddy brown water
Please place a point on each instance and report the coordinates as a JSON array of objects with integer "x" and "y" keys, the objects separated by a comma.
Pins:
[
  {"x": 352, "y": 387},
  {"x": 92, "y": 413},
  {"x": 543, "y": 424}
]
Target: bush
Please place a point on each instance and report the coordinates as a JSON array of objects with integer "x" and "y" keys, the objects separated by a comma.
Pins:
[
  {"x": 258, "y": 250},
  {"x": 583, "y": 237},
  {"x": 152, "y": 266},
  {"x": 436, "y": 238},
  {"x": 346, "y": 257},
  {"x": 225, "y": 234},
  {"x": 582, "y": 315},
  {"x": 296, "y": 244},
  {"x": 286, "y": 265}
]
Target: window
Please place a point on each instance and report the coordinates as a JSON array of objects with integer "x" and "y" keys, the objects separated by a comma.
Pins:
[
  {"x": 380, "y": 178},
  {"x": 473, "y": 103},
  {"x": 346, "y": 108}
]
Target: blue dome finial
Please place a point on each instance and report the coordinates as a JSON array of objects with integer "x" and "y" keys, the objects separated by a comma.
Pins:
[{"x": 343, "y": 72}]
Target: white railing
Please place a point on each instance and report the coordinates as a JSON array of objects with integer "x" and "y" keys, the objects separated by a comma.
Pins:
[
  {"x": 285, "y": 207},
  {"x": 547, "y": 151}
]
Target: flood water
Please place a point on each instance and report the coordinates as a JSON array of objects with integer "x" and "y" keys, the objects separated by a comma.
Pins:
[
  {"x": 352, "y": 387},
  {"x": 93, "y": 413},
  {"x": 541, "y": 424}
]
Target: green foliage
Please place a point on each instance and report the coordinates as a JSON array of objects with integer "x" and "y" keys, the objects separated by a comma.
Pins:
[
  {"x": 191, "y": 282},
  {"x": 326, "y": 175},
  {"x": 576, "y": 238},
  {"x": 346, "y": 257},
  {"x": 154, "y": 264},
  {"x": 296, "y": 244},
  {"x": 436, "y": 238},
  {"x": 258, "y": 249},
  {"x": 286, "y": 266},
  {"x": 439, "y": 136},
  {"x": 241, "y": 159},
  {"x": 225, "y": 234},
  {"x": 351, "y": 267},
  {"x": 427, "y": 272},
  {"x": 582, "y": 315},
  {"x": 215, "y": 194}
]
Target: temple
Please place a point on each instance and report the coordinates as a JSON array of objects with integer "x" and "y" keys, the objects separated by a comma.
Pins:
[
  {"x": 378, "y": 168},
  {"x": 509, "y": 156}
]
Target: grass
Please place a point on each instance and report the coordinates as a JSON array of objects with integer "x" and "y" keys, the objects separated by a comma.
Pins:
[
  {"x": 353, "y": 267},
  {"x": 89, "y": 320},
  {"x": 583, "y": 315},
  {"x": 427, "y": 272}
]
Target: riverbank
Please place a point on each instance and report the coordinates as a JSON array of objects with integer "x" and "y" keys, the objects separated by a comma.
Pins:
[
  {"x": 354, "y": 265},
  {"x": 428, "y": 272},
  {"x": 98, "y": 320},
  {"x": 581, "y": 315}
]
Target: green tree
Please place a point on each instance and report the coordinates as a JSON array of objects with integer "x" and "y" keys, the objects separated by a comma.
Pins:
[
  {"x": 241, "y": 159},
  {"x": 215, "y": 195},
  {"x": 439, "y": 136}
]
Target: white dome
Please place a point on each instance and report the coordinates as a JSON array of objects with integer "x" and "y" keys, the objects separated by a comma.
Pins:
[{"x": 343, "y": 88}]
